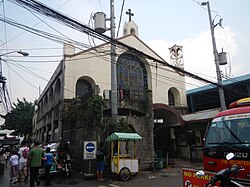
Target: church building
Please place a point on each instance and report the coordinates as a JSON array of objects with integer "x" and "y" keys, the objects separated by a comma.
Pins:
[{"x": 151, "y": 96}]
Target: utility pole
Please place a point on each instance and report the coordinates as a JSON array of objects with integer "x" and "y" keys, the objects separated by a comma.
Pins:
[
  {"x": 2, "y": 78},
  {"x": 114, "y": 108},
  {"x": 3, "y": 87},
  {"x": 216, "y": 59}
]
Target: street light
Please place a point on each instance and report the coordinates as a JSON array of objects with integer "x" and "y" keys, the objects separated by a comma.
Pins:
[
  {"x": 2, "y": 79},
  {"x": 23, "y": 53},
  {"x": 20, "y": 52},
  {"x": 216, "y": 57}
]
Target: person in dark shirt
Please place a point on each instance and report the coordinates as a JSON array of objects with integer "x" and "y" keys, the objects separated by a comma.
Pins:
[{"x": 100, "y": 162}]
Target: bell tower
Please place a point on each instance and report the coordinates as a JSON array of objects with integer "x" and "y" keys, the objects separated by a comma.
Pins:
[
  {"x": 176, "y": 56},
  {"x": 130, "y": 27}
]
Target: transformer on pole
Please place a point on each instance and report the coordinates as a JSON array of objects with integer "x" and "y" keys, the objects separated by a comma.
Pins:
[
  {"x": 100, "y": 27},
  {"x": 216, "y": 58}
]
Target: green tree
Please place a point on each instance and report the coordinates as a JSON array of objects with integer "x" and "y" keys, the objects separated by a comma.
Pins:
[
  {"x": 123, "y": 126},
  {"x": 89, "y": 110},
  {"x": 20, "y": 118}
]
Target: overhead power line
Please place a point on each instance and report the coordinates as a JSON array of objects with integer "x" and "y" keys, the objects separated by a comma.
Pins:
[
  {"x": 60, "y": 39},
  {"x": 42, "y": 9},
  {"x": 75, "y": 24},
  {"x": 50, "y": 36}
]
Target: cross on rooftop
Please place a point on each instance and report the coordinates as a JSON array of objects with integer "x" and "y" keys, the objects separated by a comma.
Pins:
[{"x": 130, "y": 14}]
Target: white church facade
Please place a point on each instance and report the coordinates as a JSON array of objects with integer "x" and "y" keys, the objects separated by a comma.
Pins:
[{"x": 151, "y": 96}]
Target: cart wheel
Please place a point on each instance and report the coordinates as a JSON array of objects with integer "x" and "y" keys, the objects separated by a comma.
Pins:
[{"x": 124, "y": 174}]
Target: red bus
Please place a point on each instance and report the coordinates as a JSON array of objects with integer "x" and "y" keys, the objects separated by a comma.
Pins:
[{"x": 229, "y": 132}]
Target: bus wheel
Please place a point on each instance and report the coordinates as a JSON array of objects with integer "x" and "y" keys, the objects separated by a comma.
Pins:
[{"x": 124, "y": 174}]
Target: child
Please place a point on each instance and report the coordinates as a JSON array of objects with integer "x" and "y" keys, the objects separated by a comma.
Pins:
[{"x": 14, "y": 167}]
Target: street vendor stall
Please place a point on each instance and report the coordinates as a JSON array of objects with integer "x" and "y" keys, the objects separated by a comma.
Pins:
[
  {"x": 54, "y": 150},
  {"x": 123, "y": 160},
  {"x": 62, "y": 154}
]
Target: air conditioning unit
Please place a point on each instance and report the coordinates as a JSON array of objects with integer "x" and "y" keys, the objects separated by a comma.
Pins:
[{"x": 106, "y": 94}]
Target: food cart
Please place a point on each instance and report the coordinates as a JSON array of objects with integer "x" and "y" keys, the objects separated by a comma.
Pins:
[{"x": 124, "y": 163}]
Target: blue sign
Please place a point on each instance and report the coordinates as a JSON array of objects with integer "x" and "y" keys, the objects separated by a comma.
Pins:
[
  {"x": 90, "y": 147},
  {"x": 89, "y": 150}
]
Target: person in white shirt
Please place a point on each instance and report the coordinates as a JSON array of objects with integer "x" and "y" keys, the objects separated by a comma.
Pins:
[
  {"x": 14, "y": 167},
  {"x": 23, "y": 152}
]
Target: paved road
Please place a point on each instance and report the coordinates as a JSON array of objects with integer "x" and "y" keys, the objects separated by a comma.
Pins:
[
  {"x": 143, "y": 179},
  {"x": 171, "y": 177}
]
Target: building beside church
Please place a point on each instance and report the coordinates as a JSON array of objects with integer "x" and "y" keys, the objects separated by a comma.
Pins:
[
  {"x": 204, "y": 105},
  {"x": 151, "y": 96}
]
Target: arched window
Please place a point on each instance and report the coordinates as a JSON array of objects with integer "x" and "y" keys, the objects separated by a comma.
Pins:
[
  {"x": 83, "y": 88},
  {"x": 132, "y": 31},
  {"x": 51, "y": 95},
  {"x": 131, "y": 77},
  {"x": 125, "y": 32},
  {"x": 46, "y": 102},
  {"x": 57, "y": 90},
  {"x": 171, "y": 100}
]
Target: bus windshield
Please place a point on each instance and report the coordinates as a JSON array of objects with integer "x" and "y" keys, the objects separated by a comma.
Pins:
[{"x": 235, "y": 131}]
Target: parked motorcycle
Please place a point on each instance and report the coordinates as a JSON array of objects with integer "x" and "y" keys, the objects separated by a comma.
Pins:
[
  {"x": 223, "y": 176},
  {"x": 66, "y": 165}
]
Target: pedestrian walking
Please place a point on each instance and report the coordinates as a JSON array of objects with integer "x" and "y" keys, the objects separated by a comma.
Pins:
[
  {"x": 49, "y": 159},
  {"x": 2, "y": 162},
  {"x": 100, "y": 162},
  {"x": 14, "y": 167},
  {"x": 35, "y": 160},
  {"x": 23, "y": 152},
  {"x": 7, "y": 156}
]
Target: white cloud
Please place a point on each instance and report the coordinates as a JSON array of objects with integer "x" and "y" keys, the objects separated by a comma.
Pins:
[{"x": 198, "y": 51}]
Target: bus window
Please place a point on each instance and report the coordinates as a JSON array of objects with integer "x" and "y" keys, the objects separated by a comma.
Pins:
[
  {"x": 244, "y": 130},
  {"x": 231, "y": 131},
  {"x": 217, "y": 134}
]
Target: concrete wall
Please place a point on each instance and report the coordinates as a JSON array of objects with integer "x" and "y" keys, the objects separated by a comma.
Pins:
[{"x": 88, "y": 65}]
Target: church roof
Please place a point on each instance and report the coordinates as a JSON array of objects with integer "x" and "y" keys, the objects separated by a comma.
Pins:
[{"x": 124, "y": 39}]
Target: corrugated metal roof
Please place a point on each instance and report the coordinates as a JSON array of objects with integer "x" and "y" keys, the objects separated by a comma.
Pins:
[
  {"x": 123, "y": 136},
  {"x": 224, "y": 82},
  {"x": 201, "y": 115}
]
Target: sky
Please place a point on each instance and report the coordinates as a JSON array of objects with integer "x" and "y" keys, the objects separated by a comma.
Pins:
[{"x": 161, "y": 24}]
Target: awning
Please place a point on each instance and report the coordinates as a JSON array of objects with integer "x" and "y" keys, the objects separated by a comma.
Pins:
[
  {"x": 201, "y": 115},
  {"x": 123, "y": 136}
]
